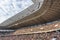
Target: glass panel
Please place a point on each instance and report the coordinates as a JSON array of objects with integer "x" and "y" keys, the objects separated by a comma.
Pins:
[{"x": 9, "y": 8}]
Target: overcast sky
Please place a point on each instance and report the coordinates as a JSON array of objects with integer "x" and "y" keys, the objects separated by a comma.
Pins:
[{"x": 9, "y": 8}]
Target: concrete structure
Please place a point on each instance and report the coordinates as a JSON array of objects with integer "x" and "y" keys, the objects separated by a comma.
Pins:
[
  {"x": 49, "y": 11},
  {"x": 40, "y": 21}
]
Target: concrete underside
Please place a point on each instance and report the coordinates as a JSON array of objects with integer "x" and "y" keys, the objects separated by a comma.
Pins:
[{"x": 49, "y": 11}]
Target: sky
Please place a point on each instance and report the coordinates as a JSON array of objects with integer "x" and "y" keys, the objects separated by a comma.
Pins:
[{"x": 9, "y": 8}]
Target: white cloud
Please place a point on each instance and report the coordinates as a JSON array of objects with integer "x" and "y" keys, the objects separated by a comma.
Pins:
[{"x": 9, "y": 8}]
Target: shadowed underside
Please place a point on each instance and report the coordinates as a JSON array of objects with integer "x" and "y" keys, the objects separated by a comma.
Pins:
[{"x": 49, "y": 11}]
